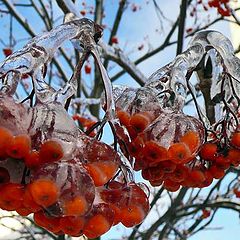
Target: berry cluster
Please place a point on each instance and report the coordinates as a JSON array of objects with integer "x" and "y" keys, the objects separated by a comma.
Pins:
[
  {"x": 221, "y": 6},
  {"x": 68, "y": 191},
  {"x": 129, "y": 201},
  {"x": 220, "y": 156},
  {"x": 168, "y": 146},
  {"x": 164, "y": 149}
]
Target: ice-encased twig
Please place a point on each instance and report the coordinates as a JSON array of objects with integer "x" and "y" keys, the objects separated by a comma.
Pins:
[
  {"x": 173, "y": 75},
  {"x": 38, "y": 52},
  {"x": 225, "y": 79}
]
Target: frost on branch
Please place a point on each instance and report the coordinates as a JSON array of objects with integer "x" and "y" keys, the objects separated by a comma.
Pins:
[{"x": 75, "y": 184}]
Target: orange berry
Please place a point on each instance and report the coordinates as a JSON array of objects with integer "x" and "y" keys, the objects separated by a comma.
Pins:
[
  {"x": 154, "y": 153},
  {"x": 205, "y": 213},
  {"x": 179, "y": 153},
  {"x": 19, "y": 147},
  {"x": 132, "y": 215},
  {"x": 50, "y": 151},
  {"x": 171, "y": 186},
  {"x": 136, "y": 146},
  {"x": 101, "y": 172},
  {"x": 28, "y": 201},
  {"x": 11, "y": 196},
  {"x": 156, "y": 183},
  {"x": 96, "y": 226},
  {"x": 236, "y": 192},
  {"x": 75, "y": 207},
  {"x": 52, "y": 224},
  {"x": 191, "y": 139},
  {"x": 71, "y": 225},
  {"x": 167, "y": 166},
  {"x": 139, "y": 122},
  {"x": 234, "y": 157},
  {"x": 23, "y": 211},
  {"x": 208, "y": 179},
  {"x": 216, "y": 172},
  {"x": 235, "y": 141},
  {"x": 153, "y": 173},
  {"x": 44, "y": 192},
  {"x": 5, "y": 138},
  {"x": 117, "y": 214},
  {"x": 208, "y": 151},
  {"x": 197, "y": 176},
  {"x": 32, "y": 160},
  {"x": 124, "y": 117},
  {"x": 179, "y": 174}
]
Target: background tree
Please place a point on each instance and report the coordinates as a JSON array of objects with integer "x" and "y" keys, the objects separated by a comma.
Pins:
[{"x": 125, "y": 58}]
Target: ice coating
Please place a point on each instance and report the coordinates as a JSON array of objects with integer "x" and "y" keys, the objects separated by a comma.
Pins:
[
  {"x": 110, "y": 106},
  {"x": 101, "y": 160},
  {"x": 14, "y": 116},
  {"x": 124, "y": 97},
  {"x": 51, "y": 121},
  {"x": 216, "y": 40},
  {"x": 170, "y": 128},
  {"x": 172, "y": 77},
  {"x": 73, "y": 182},
  {"x": 137, "y": 100},
  {"x": 118, "y": 91},
  {"x": 169, "y": 83},
  {"x": 225, "y": 85},
  {"x": 38, "y": 52}
]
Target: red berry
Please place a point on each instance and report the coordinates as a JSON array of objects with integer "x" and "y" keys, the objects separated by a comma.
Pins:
[
  {"x": 87, "y": 69},
  {"x": 32, "y": 160},
  {"x": 19, "y": 147},
  {"x": 114, "y": 40},
  {"x": 171, "y": 186},
  {"x": 154, "y": 153},
  {"x": 235, "y": 140},
  {"x": 83, "y": 12},
  {"x": 50, "y": 151},
  {"x": 5, "y": 138},
  {"x": 50, "y": 223},
  {"x": 205, "y": 213},
  {"x": 139, "y": 122},
  {"x": 179, "y": 153},
  {"x": 216, "y": 172},
  {"x": 208, "y": 151},
  {"x": 7, "y": 51},
  {"x": 72, "y": 225},
  {"x": 236, "y": 192},
  {"x": 44, "y": 192},
  {"x": 124, "y": 117},
  {"x": 11, "y": 197}
]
